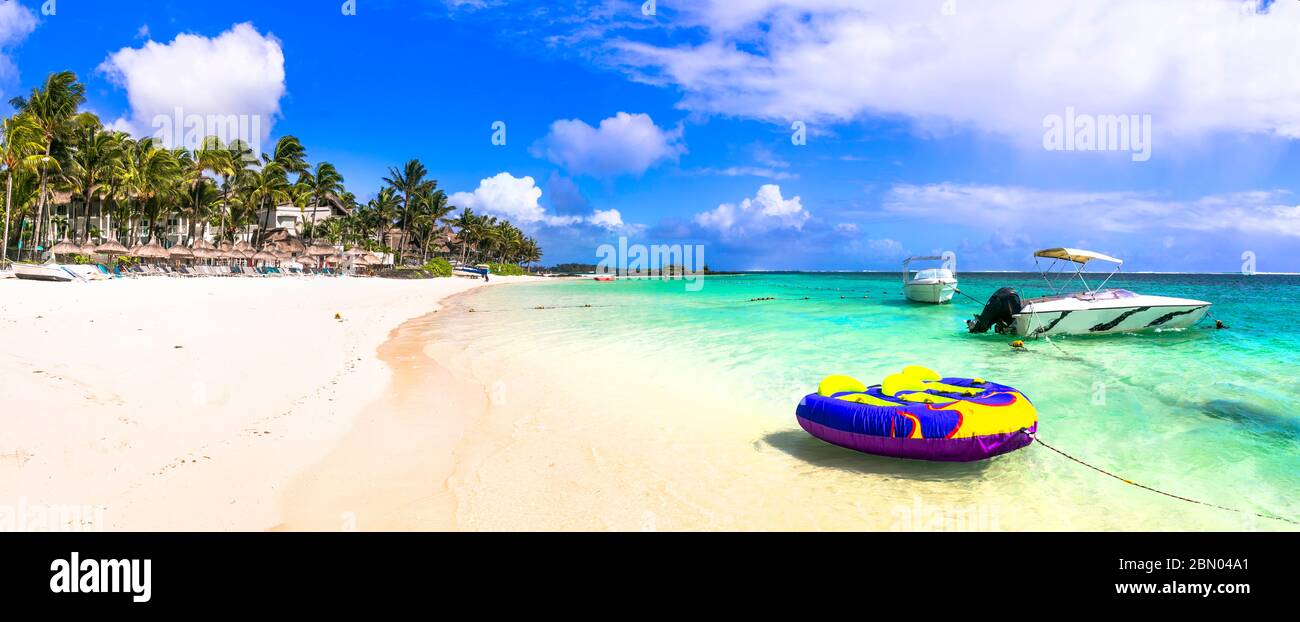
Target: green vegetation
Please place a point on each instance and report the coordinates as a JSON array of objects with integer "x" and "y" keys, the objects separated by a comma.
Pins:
[
  {"x": 507, "y": 269},
  {"x": 573, "y": 268},
  {"x": 128, "y": 189},
  {"x": 438, "y": 267}
]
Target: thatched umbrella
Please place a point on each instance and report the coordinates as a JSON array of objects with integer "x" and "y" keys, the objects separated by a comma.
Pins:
[
  {"x": 243, "y": 245},
  {"x": 264, "y": 256},
  {"x": 321, "y": 251},
  {"x": 180, "y": 252},
  {"x": 292, "y": 245},
  {"x": 66, "y": 247},
  {"x": 201, "y": 245},
  {"x": 87, "y": 249},
  {"x": 111, "y": 247},
  {"x": 152, "y": 250},
  {"x": 356, "y": 252}
]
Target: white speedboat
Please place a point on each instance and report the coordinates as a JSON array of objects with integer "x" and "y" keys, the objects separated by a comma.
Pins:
[
  {"x": 43, "y": 272},
  {"x": 932, "y": 285},
  {"x": 1099, "y": 311}
]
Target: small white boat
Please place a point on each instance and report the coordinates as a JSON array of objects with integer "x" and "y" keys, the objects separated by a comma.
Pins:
[
  {"x": 53, "y": 273},
  {"x": 932, "y": 285}
]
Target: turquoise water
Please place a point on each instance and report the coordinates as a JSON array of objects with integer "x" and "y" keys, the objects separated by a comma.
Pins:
[{"x": 1202, "y": 413}]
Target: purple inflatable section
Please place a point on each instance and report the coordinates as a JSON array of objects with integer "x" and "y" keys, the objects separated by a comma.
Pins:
[{"x": 937, "y": 449}]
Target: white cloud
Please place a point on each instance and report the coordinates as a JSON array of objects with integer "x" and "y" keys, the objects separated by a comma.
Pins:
[
  {"x": 16, "y": 22},
  {"x": 1197, "y": 66},
  {"x": 1255, "y": 212},
  {"x": 609, "y": 219},
  {"x": 885, "y": 248},
  {"x": 747, "y": 171},
  {"x": 846, "y": 228},
  {"x": 518, "y": 199},
  {"x": 767, "y": 211},
  {"x": 239, "y": 72},
  {"x": 624, "y": 144},
  {"x": 515, "y": 198}
]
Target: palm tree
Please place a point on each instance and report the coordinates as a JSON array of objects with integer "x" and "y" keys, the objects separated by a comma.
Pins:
[
  {"x": 471, "y": 228},
  {"x": 382, "y": 211},
  {"x": 410, "y": 181},
  {"x": 20, "y": 144},
  {"x": 288, "y": 157},
  {"x": 210, "y": 156},
  {"x": 91, "y": 164},
  {"x": 434, "y": 212},
  {"x": 268, "y": 188},
  {"x": 327, "y": 188},
  {"x": 149, "y": 173},
  {"x": 140, "y": 183},
  {"x": 231, "y": 166},
  {"x": 52, "y": 107}
]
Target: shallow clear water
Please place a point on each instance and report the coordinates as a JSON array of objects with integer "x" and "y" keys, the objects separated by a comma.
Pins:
[{"x": 1202, "y": 413}]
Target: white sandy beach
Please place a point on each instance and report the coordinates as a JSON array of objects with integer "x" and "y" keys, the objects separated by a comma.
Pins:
[{"x": 188, "y": 404}]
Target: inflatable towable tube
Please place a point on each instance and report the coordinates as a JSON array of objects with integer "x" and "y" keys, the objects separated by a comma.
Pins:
[{"x": 919, "y": 415}]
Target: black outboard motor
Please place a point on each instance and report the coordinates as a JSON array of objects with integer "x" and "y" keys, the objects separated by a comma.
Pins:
[{"x": 997, "y": 314}]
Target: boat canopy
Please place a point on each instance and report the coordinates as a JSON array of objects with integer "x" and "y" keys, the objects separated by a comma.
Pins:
[{"x": 1076, "y": 255}]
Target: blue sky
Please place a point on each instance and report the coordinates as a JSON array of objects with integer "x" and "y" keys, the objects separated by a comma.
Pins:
[{"x": 924, "y": 123}]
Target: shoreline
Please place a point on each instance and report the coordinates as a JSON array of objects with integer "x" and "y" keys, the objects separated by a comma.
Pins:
[
  {"x": 188, "y": 404},
  {"x": 390, "y": 470}
]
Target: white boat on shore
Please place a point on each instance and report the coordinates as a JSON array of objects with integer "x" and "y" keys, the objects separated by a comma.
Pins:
[
  {"x": 468, "y": 271},
  {"x": 931, "y": 285},
  {"x": 52, "y": 273}
]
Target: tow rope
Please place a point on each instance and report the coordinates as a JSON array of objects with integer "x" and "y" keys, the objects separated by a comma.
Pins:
[{"x": 1034, "y": 437}]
